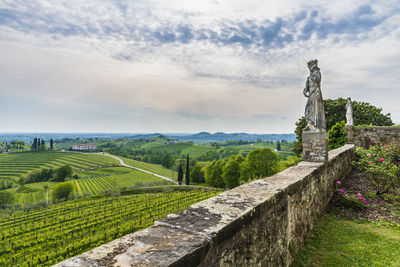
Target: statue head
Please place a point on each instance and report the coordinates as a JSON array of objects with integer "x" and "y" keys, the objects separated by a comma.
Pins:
[{"x": 312, "y": 64}]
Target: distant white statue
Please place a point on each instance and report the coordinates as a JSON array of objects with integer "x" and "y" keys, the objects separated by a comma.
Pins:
[
  {"x": 349, "y": 112},
  {"x": 314, "y": 112}
]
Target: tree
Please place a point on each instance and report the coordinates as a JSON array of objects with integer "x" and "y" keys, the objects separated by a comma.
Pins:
[
  {"x": 259, "y": 163},
  {"x": 197, "y": 174},
  {"x": 337, "y": 135},
  {"x": 231, "y": 171},
  {"x": 34, "y": 144},
  {"x": 187, "y": 177},
  {"x": 166, "y": 160},
  {"x": 42, "y": 145},
  {"x": 278, "y": 146},
  {"x": 63, "y": 172},
  {"x": 363, "y": 113},
  {"x": 62, "y": 191},
  {"x": 214, "y": 174},
  {"x": 51, "y": 143},
  {"x": 180, "y": 174},
  {"x": 298, "y": 145}
]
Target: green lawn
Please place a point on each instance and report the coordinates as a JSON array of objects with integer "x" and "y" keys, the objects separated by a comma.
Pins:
[{"x": 343, "y": 242}]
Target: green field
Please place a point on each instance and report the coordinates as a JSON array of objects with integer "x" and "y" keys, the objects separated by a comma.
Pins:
[
  {"x": 45, "y": 236},
  {"x": 158, "y": 169},
  {"x": 183, "y": 148},
  {"x": 15, "y": 165}
]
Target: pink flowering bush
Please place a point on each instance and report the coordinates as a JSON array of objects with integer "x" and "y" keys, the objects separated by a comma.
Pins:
[
  {"x": 381, "y": 164},
  {"x": 354, "y": 201}
]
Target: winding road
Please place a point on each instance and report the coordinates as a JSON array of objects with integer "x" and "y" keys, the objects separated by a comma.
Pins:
[
  {"x": 129, "y": 166},
  {"x": 126, "y": 165}
]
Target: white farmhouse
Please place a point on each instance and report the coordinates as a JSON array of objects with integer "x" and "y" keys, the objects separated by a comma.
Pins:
[{"x": 84, "y": 146}]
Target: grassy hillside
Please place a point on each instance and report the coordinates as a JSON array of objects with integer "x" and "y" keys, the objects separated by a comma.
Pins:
[
  {"x": 14, "y": 165},
  {"x": 158, "y": 169}
]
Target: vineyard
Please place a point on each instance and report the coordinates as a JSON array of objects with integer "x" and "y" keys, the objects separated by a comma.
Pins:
[
  {"x": 91, "y": 183},
  {"x": 104, "y": 179},
  {"x": 14, "y": 165},
  {"x": 45, "y": 236}
]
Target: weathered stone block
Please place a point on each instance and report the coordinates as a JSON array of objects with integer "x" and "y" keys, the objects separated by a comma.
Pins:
[
  {"x": 350, "y": 134},
  {"x": 315, "y": 146},
  {"x": 367, "y": 136}
]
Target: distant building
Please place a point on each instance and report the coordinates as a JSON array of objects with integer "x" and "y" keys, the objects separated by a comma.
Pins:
[{"x": 84, "y": 146}]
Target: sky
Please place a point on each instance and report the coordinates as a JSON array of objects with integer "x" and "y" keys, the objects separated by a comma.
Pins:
[{"x": 190, "y": 66}]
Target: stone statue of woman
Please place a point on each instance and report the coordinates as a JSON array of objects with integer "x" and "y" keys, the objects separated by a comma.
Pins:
[
  {"x": 349, "y": 112},
  {"x": 314, "y": 112}
]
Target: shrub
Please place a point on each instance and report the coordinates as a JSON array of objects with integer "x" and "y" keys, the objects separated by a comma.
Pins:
[
  {"x": 62, "y": 191},
  {"x": 352, "y": 201},
  {"x": 381, "y": 164},
  {"x": 63, "y": 172},
  {"x": 337, "y": 135}
]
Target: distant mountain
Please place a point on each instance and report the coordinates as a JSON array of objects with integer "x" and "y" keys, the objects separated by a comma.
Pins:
[
  {"x": 201, "y": 137},
  {"x": 219, "y": 136}
]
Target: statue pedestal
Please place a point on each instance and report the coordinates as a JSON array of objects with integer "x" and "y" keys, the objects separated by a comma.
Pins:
[
  {"x": 315, "y": 146},
  {"x": 350, "y": 134}
]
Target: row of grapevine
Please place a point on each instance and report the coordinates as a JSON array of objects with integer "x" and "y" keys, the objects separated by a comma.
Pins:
[
  {"x": 18, "y": 164},
  {"x": 45, "y": 236}
]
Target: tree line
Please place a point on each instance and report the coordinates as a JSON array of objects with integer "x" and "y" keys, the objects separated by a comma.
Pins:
[{"x": 40, "y": 144}]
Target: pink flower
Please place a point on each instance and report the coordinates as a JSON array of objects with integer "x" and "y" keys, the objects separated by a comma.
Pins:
[
  {"x": 358, "y": 195},
  {"x": 342, "y": 191},
  {"x": 365, "y": 202},
  {"x": 381, "y": 160},
  {"x": 362, "y": 199},
  {"x": 347, "y": 195},
  {"x": 368, "y": 154},
  {"x": 339, "y": 182}
]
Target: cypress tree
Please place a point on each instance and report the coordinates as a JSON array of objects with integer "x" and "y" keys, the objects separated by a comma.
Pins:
[
  {"x": 278, "y": 146},
  {"x": 34, "y": 144},
  {"x": 180, "y": 174},
  {"x": 51, "y": 143},
  {"x": 187, "y": 170}
]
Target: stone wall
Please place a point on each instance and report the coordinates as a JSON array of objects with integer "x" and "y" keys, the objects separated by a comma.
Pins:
[
  {"x": 262, "y": 223},
  {"x": 365, "y": 136}
]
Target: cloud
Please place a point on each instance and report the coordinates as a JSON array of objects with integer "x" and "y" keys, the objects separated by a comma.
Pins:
[
  {"x": 209, "y": 65},
  {"x": 120, "y": 24}
]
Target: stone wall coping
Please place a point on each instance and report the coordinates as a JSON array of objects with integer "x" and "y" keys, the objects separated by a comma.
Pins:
[{"x": 184, "y": 238}]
